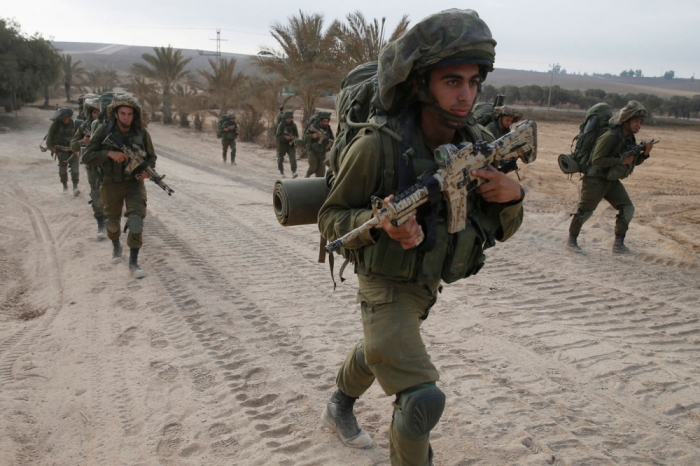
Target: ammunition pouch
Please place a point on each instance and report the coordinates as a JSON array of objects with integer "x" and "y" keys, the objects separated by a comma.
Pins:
[
  {"x": 464, "y": 255},
  {"x": 619, "y": 172}
]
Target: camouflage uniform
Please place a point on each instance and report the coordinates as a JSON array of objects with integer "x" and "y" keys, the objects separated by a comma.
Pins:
[
  {"x": 229, "y": 131},
  {"x": 317, "y": 150},
  {"x": 286, "y": 146},
  {"x": 397, "y": 287},
  {"x": 91, "y": 103},
  {"x": 495, "y": 127},
  {"x": 60, "y": 134},
  {"x": 119, "y": 189},
  {"x": 599, "y": 183}
]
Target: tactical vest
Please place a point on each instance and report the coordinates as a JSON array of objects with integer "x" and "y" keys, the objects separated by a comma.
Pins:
[
  {"x": 113, "y": 171},
  {"x": 61, "y": 134},
  {"x": 453, "y": 256},
  {"x": 617, "y": 172}
]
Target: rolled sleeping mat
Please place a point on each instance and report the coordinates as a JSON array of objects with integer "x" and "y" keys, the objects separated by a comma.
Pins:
[
  {"x": 567, "y": 164},
  {"x": 297, "y": 201}
]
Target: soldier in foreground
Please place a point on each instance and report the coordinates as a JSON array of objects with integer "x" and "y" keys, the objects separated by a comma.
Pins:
[
  {"x": 503, "y": 118},
  {"x": 615, "y": 155},
  {"x": 229, "y": 130},
  {"x": 319, "y": 141},
  {"x": 125, "y": 124},
  {"x": 58, "y": 142},
  {"x": 287, "y": 135},
  {"x": 80, "y": 140},
  {"x": 428, "y": 82}
]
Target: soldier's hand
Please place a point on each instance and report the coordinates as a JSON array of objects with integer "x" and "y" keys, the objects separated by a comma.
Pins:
[
  {"x": 86, "y": 140},
  {"x": 53, "y": 150},
  {"x": 118, "y": 157},
  {"x": 648, "y": 147},
  {"x": 498, "y": 187},
  {"x": 628, "y": 160},
  {"x": 315, "y": 136},
  {"x": 408, "y": 234},
  {"x": 144, "y": 176}
]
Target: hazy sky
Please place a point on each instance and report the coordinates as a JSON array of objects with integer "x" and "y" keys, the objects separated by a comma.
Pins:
[{"x": 603, "y": 36}]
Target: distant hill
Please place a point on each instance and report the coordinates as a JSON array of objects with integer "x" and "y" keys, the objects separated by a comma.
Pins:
[{"x": 121, "y": 57}]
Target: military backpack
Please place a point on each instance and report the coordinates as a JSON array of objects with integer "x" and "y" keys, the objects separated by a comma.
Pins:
[{"x": 583, "y": 144}]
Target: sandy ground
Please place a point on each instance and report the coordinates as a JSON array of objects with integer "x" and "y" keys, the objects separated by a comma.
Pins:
[{"x": 227, "y": 351}]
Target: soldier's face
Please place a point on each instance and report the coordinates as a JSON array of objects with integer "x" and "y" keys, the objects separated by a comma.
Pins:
[
  {"x": 636, "y": 125},
  {"x": 325, "y": 122},
  {"x": 65, "y": 120},
  {"x": 125, "y": 116},
  {"x": 506, "y": 121},
  {"x": 95, "y": 113},
  {"x": 455, "y": 87},
  {"x": 288, "y": 120}
]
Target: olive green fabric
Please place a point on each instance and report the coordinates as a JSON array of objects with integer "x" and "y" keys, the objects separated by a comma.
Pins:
[
  {"x": 67, "y": 160},
  {"x": 229, "y": 130},
  {"x": 633, "y": 109},
  {"x": 317, "y": 165},
  {"x": 77, "y": 139},
  {"x": 225, "y": 144},
  {"x": 286, "y": 146},
  {"x": 608, "y": 152},
  {"x": 433, "y": 39},
  {"x": 96, "y": 152},
  {"x": 495, "y": 129},
  {"x": 93, "y": 177},
  {"x": 115, "y": 196},
  {"x": 61, "y": 135},
  {"x": 313, "y": 145},
  {"x": 595, "y": 189}
]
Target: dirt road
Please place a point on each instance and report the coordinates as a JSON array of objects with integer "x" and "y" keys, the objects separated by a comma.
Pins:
[{"x": 227, "y": 351}]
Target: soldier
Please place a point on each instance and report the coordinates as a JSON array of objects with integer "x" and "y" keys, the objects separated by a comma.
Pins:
[
  {"x": 80, "y": 140},
  {"x": 126, "y": 123},
  {"x": 503, "y": 118},
  {"x": 287, "y": 135},
  {"x": 229, "y": 130},
  {"x": 319, "y": 141},
  {"x": 58, "y": 141},
  {"x": 603, "y": 178},
  {"x": 428, "y": 80}
]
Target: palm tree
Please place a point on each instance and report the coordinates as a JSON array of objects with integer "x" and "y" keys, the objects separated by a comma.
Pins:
[
  {"x": 307, "y": 61},
  {"x": 222, "y": 83},
  {"x": 71, "y": 71},
  {"x": 147, "y": 93},
  {"x": 188, "y": 100},
  {"x": 361, "y": 41},
  {"x": 102, "y": 81},
  {"x": 263, "y": 94},
  {"x": 167, "y": 68}
]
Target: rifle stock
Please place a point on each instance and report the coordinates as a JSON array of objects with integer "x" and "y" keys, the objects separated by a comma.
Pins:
[{"x": 453, "y": 179}]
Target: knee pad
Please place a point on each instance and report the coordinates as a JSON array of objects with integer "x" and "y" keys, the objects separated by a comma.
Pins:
[
  {"x": 626, "y": 213},
  {"x": 134, "y": 224},
  {"x": 112, "y": 226},
  {"x": 583, "y": 215},
  {"x": 419, "y": 410}
]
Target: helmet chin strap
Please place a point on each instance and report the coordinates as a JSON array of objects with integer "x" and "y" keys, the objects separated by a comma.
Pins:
[{"x": 451, "y": 120}]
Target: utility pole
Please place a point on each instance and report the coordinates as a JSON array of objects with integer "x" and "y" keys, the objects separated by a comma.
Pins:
[
  {"x": 218, "y": 47},
  {"x": 549, "y": 100}
]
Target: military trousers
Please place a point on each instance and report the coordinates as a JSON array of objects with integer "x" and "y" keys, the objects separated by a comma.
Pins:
[
  {"x": 593, "y": 190},
  {"x": 317, "y": 164},
  {"x": 286, "y": 149},
  {"x": 392, "y": 352},
  {"x": 65, "y": 160},
  {"x": 128, "y": 197},
  {"x": 225, "y": 144},
  {"x": 95, "y": 197}
]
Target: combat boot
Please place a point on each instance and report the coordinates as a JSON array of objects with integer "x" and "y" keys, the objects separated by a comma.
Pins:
[
  {"x": 619, "y": 246},
  {"x": 116, "y": 252},
  {"x": 136, "y": 270},
  {"x": 338, "y": 417},
  {"x": 101, "y": 233},
  {"x": 65, "y": 187},
  {"x": 572, "y": 245},
  {"x": 76, "y": 191}
]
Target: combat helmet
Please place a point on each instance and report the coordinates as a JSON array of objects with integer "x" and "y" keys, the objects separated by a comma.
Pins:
[
  {"x": 89, "y": 104},
  {"x": 288, "y": 114},
  {"x": 141, "y": 119},
  {"x": 507, "y": 110},
  {"x": 633, "y": 109},
  {"x": 62, "y": 113},
  {"x": 450, "y": 37}
]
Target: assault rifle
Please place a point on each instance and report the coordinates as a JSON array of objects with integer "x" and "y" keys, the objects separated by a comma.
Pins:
[
  {"x": 638, "y": 152},
  {"x": 293, "y": 141},
  {"x": 137, "y": 163},
  {"x": 322, "y": 135},
  {"x": 453, "y": 180}
]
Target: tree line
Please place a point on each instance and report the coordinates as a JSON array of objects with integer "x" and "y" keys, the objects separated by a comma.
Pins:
[{"x": 675, "y": 106}]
